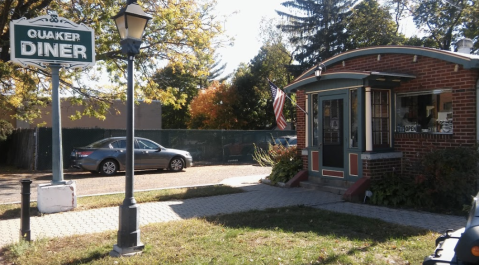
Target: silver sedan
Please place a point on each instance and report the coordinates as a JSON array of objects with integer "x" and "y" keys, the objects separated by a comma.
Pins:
[{"x": 108, "y": 156}]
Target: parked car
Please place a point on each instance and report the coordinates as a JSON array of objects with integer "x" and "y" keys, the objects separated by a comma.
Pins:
[
  {"x": 288, "y": 140},
  {"x": 108, "y": 156},
  {"x": 460, "y": 247},
  {"x": 241, "y": 145}
]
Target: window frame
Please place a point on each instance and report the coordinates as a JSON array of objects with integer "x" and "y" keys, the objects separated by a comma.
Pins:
[
  {"x": 374, "y": 130},
  {"x": 402, "y": 128}
]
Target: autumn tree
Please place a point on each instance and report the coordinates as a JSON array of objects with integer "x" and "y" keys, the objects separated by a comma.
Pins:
[
  {"x": 213, "y": 108},
  {"x": 184, "y": 86},
  {"x": 246, "y": 103},
  {"x": 184, "y": 33}
]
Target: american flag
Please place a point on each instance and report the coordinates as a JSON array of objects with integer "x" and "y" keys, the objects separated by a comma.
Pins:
[{"x": 278, "y": 104}]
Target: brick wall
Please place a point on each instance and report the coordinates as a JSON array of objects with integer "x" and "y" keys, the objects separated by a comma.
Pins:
[
  {"x": 301, "y": 124},
  {"x": 377, "y": 168}
]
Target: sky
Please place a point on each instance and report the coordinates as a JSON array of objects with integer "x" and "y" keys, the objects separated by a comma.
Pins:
[{"x": 244, "y": 27}]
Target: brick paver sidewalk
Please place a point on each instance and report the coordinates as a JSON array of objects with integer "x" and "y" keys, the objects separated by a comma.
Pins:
[{"x": 257, "y": 196}]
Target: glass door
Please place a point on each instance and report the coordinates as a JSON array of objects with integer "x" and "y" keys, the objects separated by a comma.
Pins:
[{"x": 332, "y": 132}]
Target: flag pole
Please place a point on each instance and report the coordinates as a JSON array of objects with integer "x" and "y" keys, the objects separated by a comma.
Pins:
[
  {"x": 291, "y": 100},
  {"x": 296, "y": 104}
]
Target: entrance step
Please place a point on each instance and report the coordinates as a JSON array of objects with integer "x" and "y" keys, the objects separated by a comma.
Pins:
[{"x": 335, "y": 186}]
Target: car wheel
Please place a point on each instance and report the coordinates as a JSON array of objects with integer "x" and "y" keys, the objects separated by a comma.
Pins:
[
  {"x": 108, "y": 167},
  {"x": 177, "y": 164}
]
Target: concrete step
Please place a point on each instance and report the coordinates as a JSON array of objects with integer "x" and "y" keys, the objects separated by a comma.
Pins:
[
  {"x": 331, "y": 182},
  {"x": 321, "y": 187}
]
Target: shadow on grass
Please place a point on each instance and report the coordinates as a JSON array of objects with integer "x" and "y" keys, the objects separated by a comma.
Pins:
[
  {"x": 321, "y": 222},
  {"x": 15, "y": 211},
  {"x": 200, "y": 192},
  {"x": 93, "y": 256}
]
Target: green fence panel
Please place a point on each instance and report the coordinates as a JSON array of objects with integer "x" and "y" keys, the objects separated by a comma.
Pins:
[{"x": 206, "y": 146}]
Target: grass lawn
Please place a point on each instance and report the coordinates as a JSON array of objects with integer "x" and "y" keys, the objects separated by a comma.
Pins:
[
  {"x": 293, "y": 235},
  {"x": 10, "y": 211}
]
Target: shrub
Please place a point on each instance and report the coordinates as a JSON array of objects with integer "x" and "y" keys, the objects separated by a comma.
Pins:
[
  {"x": 445, "y": 182},
  {"x": 285, "y": 161},
  {"x": 393, "y": 190},
  {"x": 449, "y": 176},
  {"x": 6, "y": 129}
]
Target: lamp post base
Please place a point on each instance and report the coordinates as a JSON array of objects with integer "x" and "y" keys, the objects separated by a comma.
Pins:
[
  {"x": 126, "y": 251},
  {"x": 129, "y": 243}
]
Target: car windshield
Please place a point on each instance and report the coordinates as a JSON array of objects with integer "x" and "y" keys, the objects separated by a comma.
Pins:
[
  {"x": 145, "y": 144},
  {"x": 293, "y": 141},
  {"x": 280, "y": 141}
]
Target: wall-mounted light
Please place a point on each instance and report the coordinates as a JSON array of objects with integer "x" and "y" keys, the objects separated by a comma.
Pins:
[
  {"x": 319, "y": 70},
  {"x": 379, "y": 57},
  {"x": 344, "y": 63},
  {"x": 414, "y": 59}
]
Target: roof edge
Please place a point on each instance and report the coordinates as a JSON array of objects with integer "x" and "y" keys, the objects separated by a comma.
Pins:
[{"x": 467, "y": 61}]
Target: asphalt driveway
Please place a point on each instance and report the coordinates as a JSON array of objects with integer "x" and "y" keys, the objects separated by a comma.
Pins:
[{"x": 88, "y": 184}]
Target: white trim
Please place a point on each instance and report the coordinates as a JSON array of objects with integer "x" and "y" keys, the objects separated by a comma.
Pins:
[
  {"x": 368, "y": 119},
  {"x": 332, "y": 89}
]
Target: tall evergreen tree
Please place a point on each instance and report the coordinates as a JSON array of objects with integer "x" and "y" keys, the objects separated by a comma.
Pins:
[{"x": 317, "y": 28}]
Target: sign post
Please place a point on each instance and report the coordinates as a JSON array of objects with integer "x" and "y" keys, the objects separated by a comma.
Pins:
[{"x": 54, "y": 42}]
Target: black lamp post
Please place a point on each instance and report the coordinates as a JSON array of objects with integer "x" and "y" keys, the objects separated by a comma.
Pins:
[{"x": 131, "y": 23}]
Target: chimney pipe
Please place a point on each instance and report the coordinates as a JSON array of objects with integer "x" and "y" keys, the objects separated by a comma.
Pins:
[{"x": 464, "y": 46}]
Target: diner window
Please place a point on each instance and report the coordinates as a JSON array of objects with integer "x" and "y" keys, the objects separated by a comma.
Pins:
[
  {"x": 425, "y": 112},
  {"x": 380, "y": 106},
  {"x": 353, "y": 118}
]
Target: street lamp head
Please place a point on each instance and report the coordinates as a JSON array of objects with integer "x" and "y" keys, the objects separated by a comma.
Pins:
[
  {"x": 319, "y": 70},
  {"x": 131, "y": 23}
]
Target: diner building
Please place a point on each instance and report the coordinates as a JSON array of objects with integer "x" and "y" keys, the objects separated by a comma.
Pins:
[{"x": 379, "y": 109}]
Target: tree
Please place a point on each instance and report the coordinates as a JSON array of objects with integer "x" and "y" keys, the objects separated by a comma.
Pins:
[
  {"x": 400, "y": 10},
  {"x": 213, "y": 108},
  {"x": 441, "y": 20},
  {"x": 184, "y": 87},
  {"x": 471, "y": 24},
  {"x": 255, "y": 104},
  {"x": 371, "y": 25},
  {"x": 183, "y": 33},
  {"x": 6, "y": 129},
  {"x": 317, "y": 29}
]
